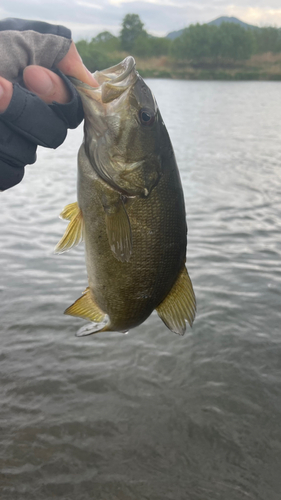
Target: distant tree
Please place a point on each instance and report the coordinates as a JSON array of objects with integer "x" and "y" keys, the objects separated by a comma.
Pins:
[
  {"x": 104, "y": 36},
  {"x": 194, "y": 43},
  {"x": 179, "y": 48},
  {"x": 235, "y": 41},
  {"x": 268, "y": 40},
  {"x": 278, "y": 42},
  {"x": 213, "y": 43},
  {"x": 148, "y": 46},
  {"x": 141, "y": 46},
  {"x": 159, "y": 46},
  {"x": 201, "y": 40},
  {"x": 94, "y": 58},
  {"x": 106, "y": 42},
  {"x": 132, "y": 28}
]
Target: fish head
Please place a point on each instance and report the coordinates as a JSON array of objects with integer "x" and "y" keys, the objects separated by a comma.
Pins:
[{"x": 122, "y": 130}]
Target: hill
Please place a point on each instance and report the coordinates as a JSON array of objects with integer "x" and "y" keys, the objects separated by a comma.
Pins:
[
  {"x": 216, "y": 22},
  {"x": 226, "y": 19}
]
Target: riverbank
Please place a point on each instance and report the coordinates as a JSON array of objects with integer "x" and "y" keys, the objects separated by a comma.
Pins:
[{"x": 265, "y": 67}]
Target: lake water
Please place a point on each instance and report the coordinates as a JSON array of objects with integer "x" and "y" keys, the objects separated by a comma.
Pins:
[{"x": 151, "y": 415}]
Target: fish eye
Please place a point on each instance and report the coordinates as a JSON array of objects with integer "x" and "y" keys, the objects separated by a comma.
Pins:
[{"x": 146, "y": 116}]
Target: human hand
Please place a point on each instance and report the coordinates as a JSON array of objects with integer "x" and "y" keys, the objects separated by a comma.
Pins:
[
  {"x": 47, "y": 84},
  {"x": 38, "y": 104}
]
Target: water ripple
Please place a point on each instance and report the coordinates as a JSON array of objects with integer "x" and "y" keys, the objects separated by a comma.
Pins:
[{"x": 150, "y": 415}]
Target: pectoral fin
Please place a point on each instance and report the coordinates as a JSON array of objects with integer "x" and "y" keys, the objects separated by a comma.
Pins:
[
  {"x": 74, "y": 231},
  {"x": 118, "y": 228},
  {"x": 70, "y": 211},
  {"x": 85, "y": 307},
  {"x": 179, "y": 305}
]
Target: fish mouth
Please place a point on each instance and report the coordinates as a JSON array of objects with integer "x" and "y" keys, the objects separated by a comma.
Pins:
[
  {"x": 118, "y": 73},
  {"x": 113, "y": 82},
  {"x": 112, "y": 127}
]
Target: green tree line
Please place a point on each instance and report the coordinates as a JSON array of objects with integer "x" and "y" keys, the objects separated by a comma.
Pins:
[
  {"x": 197, "y": 43},
  {"x": 227, "y": 41}
]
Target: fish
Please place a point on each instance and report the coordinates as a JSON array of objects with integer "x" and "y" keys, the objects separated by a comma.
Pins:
[{"x": 130, "y": 210}]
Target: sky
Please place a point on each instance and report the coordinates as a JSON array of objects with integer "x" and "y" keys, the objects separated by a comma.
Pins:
[{"x": 87, "y": 18}]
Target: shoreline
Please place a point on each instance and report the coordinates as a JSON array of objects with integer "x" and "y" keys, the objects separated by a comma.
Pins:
[
  {"x": 263, "y": 67},
  {"x": 209, "y": 76}
]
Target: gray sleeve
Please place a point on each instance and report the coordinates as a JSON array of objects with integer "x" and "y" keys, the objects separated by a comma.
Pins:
[
  {"x": 28, "y": 121},
  {"x": 30, "y": 42}
]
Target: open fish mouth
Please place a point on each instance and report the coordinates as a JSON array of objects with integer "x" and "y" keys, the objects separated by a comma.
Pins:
[
  {"x": 118, "y": 73},
  {"x": 115, "y": 137},
  {"x": 108, "y": 101},
  {"x": 112, "y": 81}
]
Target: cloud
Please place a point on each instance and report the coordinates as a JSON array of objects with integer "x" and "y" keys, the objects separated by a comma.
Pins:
[
  {"x": 87, "y": 18},
  {"x": 89, "y": 4},
  {"x": 163, "y": 3},
  {"x": 259, "y": 16}
]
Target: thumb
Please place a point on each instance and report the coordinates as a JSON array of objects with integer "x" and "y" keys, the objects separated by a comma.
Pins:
[
  {"x": 72, "y": 65},
  {"x": 46, "y": 84}
]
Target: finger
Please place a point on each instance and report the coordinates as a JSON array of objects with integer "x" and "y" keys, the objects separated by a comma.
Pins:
[
  {"x": 6, "y": 92},
  {"x": 46, "y": 84},
  {"x": 72, "y": 65}
]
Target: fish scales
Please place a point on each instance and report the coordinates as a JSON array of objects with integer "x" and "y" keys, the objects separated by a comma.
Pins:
[{"x": 158, "y": 256}]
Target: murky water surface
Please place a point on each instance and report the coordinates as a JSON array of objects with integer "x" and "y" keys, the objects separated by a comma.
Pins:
[{"x": 150, "y": 415}]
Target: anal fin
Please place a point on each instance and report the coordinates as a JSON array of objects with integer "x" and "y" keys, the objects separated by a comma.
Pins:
[
  {"x": 85, "y": 307},
  {"x": 74, "y": 231},
  {"x": 180, "y": 304}
]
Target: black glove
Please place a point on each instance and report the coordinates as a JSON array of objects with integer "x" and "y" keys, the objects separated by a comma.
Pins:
[{"x": 28, "y": 121}]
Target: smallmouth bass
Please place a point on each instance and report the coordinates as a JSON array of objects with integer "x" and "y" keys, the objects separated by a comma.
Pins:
[{"x": 130, "y": 210}]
